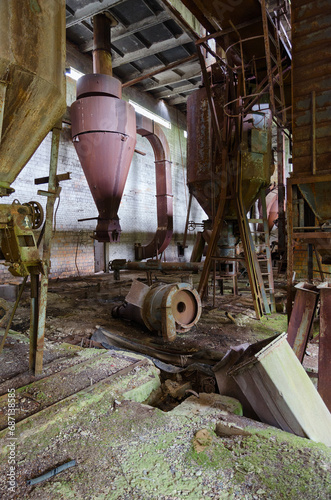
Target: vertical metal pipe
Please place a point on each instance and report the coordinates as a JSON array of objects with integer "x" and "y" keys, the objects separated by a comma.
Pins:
[
  {"x": 33, "y": 321},
  {"x": 101, "y": 45},
  {"x": 289, "y": 250},
  {"x": 52, "y": 189},
  {"x": 187, "y": 221},
  {"x": 281, "y": 190}
]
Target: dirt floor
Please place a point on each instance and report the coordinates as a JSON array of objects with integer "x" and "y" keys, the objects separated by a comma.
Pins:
[{"x": 143, "y": 452}]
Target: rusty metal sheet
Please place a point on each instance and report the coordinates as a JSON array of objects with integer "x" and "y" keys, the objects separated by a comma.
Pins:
[
  {"x": 302, "y": 316},
  {"x": 324, "y": 356},
  {"x": 32, "y": 61},
  {"x": 137, "y": 293}
]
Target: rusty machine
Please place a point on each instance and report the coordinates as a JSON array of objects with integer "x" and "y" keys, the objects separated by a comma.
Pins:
[
  {"x": 32, "y": 100},
  {"x": 104, "y": 131},
  {"x": 229, "y": 138},
  {"x": 104, "y": 128}
]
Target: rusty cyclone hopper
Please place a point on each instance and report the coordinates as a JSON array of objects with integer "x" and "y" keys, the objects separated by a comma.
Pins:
[{"x": 104, "y": 135}]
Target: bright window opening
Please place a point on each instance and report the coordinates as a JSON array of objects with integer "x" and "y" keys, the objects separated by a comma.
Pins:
[
  {"x": 156, "y": 118},
  {"x": 74, "y": 73}
]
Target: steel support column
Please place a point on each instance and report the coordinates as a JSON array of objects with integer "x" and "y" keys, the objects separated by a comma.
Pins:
[{"x": 38, "y": 308}]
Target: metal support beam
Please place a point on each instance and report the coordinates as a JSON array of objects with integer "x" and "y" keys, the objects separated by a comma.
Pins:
[
  {"x": 162, "y": 69},
  {"x": 38, "y": 311},
  {"x": 281, "y": 190},
  {"x": 164, "y": 94}
]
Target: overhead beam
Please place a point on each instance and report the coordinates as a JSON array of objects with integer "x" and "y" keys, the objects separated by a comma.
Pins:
[
  {"x": 184, "y": 17},
  {"x": 77, "y": 60},
  {"x": 91, "y": 9},
  {"x": 165, "y": 94},
  {"x": 123, "y": 32},
  {"x": 177, "y": 100},
  {"x": 154, "y": 49},
  {"x": 194, "y": 73},
  {"x": 158, "y": 70}
]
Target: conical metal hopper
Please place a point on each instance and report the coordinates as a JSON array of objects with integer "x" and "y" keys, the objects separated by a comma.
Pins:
[
  {"x": 104, "y": 135},
  {"x": 206, "y": 172},
  {"x": 32, "y": 82}
]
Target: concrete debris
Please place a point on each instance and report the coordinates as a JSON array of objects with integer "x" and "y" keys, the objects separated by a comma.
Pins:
[
  {"x": 202, "y": 439},
  {"x": 175, "y": 389},
  {"x": 224, "y": 429}
]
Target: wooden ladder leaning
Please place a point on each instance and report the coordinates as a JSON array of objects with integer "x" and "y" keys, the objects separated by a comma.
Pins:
[{"x": 264, "y": 260}]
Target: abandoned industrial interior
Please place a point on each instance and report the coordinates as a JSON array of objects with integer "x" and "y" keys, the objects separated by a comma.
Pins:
[{"x": 165, "y": 249}]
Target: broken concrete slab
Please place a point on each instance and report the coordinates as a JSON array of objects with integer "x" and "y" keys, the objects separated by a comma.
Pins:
[
  {"x": 49, "y": 390},
  {"x": 207, "y": 404},
  {"x": 132, "y": 450}
]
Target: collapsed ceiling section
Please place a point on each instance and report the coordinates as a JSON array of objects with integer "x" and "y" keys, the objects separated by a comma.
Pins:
[{"x": 151, "y": 47}]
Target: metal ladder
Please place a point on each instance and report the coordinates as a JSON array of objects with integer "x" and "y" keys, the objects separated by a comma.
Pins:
[{"x": 265, "y": 262}]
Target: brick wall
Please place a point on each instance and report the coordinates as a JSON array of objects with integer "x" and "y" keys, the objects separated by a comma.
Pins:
[
  {"x": 300, "y": 264},
  {"x": 73, "y": 246}
]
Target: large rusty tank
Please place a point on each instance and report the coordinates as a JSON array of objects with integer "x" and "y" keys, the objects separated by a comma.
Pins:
[
  {"x": 205, "y": 172},
  {"x": 32, "y": 80}
]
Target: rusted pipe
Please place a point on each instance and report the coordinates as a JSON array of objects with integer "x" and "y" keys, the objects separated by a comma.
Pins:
[
  {"x": 156, "y": 265},
  {"x": 164, "y": 198},
  {"x": 101, "y": 45}
]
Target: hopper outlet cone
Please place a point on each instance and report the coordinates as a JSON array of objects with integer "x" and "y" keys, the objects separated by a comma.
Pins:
[{"x": 104, "y": 135}]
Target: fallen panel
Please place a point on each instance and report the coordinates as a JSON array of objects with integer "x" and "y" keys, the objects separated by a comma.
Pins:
[
  {"x": 302, "y": 317},
  {"x": 280, "y": 391},
  {"x": 324, "y": 356}
]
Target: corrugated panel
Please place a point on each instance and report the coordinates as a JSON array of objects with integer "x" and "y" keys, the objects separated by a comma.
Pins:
[{"x": 311, "y": 38}]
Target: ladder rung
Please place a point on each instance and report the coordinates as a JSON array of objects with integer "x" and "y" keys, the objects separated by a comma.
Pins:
[
  {"x": 266, "y": 274},
  {"x": 255, "y": 221},
  {"x": 273, "y": 58},
  {"x": 273, "y": 40}
]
